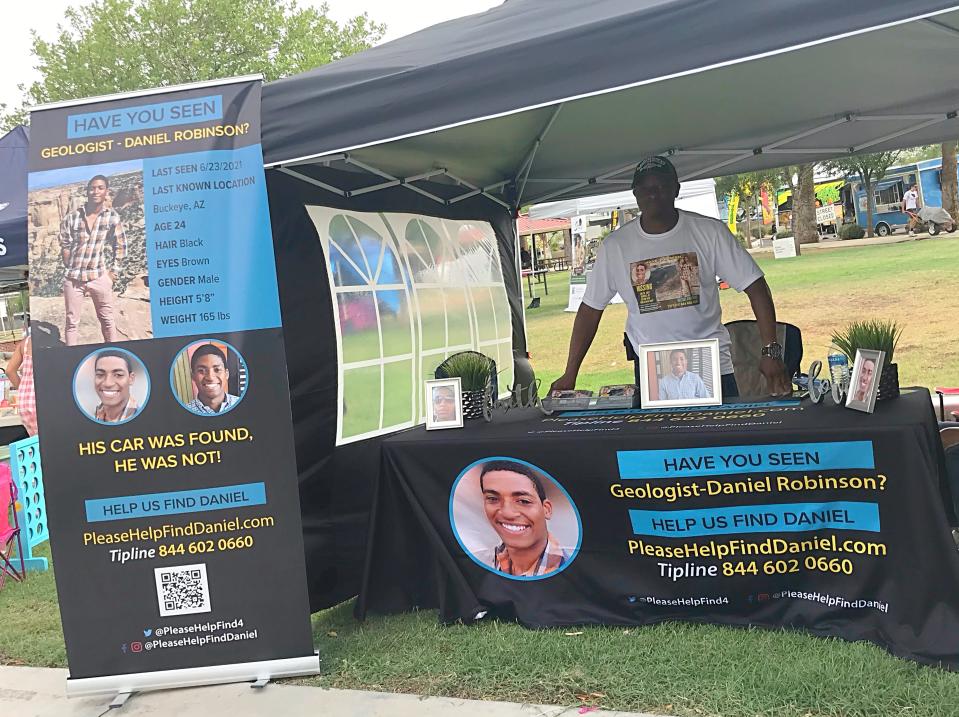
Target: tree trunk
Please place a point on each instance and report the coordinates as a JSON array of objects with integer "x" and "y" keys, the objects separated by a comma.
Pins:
[
  {"x": 804, "y": 206},
  {"x": 870, "y": 205},
  {"x": 950, "y": 191}
]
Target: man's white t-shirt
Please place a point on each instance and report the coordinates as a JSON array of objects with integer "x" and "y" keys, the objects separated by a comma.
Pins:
[
  {"x": 668, "y": 280},
  {"x": 911, "y": 199}
]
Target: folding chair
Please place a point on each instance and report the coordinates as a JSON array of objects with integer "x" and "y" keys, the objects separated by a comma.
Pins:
[
  {"x": 9, "y": 533},
  {"x": 746, "y": 342}
]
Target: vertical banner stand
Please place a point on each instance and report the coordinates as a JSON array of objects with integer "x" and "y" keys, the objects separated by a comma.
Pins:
[{"x": 169, "y": 470}]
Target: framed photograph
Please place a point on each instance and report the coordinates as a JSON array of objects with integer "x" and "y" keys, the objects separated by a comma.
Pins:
[
  {"x": 864, "y": 382},
  {"x": 444, "y": 403},
  {"x": 680, "y": 373}
]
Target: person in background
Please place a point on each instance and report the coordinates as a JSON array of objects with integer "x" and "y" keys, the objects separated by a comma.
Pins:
[
  {"x": 19, "y": 371},
  {"x": 910, "y": 205}
]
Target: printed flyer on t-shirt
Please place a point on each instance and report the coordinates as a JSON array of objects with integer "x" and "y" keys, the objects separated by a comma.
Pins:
[{"x": 666, "y": 282}]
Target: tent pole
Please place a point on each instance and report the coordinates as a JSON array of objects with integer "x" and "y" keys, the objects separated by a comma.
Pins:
[
  {"x": 310, "y": 180},
  {"x": 941, "y": 26},
  {"x": 476, "y": 190},
  {"x": 910, "y": 130},
  {"x": 527, "y": 163}
]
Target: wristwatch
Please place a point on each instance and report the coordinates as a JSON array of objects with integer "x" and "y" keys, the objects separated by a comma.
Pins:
[{"x": 773, "y": 351}]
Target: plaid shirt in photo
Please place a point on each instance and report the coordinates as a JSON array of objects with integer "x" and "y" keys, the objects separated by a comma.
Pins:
[{"x": 86, "y": 247}]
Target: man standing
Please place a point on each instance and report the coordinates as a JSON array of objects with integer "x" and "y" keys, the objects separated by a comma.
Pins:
[
  {"x": 680, "y": 383},
  {"x": 662, "y": 232},
  {"x": 518, "y": 510},
  {"x": 113, "y": 377},
  {"x": 84, "y": 236},
  {"x": 910, "y": 205},
  {"x": 211, "y": 378}
]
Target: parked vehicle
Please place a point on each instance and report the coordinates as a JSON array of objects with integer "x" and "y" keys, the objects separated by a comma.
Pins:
[{"x": 888, "y": 216}]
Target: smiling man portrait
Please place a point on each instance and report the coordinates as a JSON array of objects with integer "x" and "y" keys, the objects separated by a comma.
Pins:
[
  {"x": 113, "y": 376},
  {"x": 516, "y": 506},
  {"x": 211, "y": 377}
]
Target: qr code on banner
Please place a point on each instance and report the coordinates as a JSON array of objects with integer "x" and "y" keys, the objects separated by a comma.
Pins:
[{"x": 182, "y": 590}]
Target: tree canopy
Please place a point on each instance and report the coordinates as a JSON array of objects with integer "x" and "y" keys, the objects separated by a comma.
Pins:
[{"x": 109, "y": 46}]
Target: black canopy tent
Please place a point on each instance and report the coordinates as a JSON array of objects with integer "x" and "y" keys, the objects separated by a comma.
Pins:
[
  {"x": 539, "y": 100},
  {"x": 13, "y": 204}
]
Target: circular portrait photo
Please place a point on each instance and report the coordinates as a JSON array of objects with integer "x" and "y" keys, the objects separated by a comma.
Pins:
[
  {"x": 514, "y": 519},
  {"x": 209, "y": 377},
  {"x": 111, "y": 386}
]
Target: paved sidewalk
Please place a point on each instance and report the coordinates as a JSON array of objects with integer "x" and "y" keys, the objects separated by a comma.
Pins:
[
  {"x": 897, "y": 238},
  {"x": 39, "y": 692}
]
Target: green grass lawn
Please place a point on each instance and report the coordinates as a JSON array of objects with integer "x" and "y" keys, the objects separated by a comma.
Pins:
[
  {"x": 674, "y": 668},
  {"x": 914, "y": 283},
  {"x": 681, "y": 669}
]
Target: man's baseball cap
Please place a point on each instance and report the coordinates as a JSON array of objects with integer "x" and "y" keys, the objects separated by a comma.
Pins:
[{"x": 657, "y": 164}]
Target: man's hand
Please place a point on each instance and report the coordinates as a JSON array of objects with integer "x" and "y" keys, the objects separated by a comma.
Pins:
[
  {"x": 563, "y": 383},
  {"x": 113, "y": 277},
  {"x": 776, "y": 379}
]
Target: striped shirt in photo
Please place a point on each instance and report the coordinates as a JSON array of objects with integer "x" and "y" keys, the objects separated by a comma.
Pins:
[{"x": 87, "y": 247}]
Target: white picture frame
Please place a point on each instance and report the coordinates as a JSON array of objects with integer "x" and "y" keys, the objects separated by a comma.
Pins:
[
  {"x": 864, "y": 382},
  {"x": 439, "y": 393},
  {"x": 657, "y": 379}
]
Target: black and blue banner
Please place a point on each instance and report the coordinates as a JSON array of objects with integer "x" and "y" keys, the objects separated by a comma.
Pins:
[{"x": 162, "y": 393}]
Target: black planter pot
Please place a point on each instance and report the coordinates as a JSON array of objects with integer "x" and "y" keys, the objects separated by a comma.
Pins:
[
  {"x": 473, "y": 402},
  {"x": 888, "y": 383}
]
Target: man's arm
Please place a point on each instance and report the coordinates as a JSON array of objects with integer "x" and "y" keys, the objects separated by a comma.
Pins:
[
  {"x": 13, "y": 365},
  {"x": 701, "y": 391},
  {"x": 119, "y": 247},
  {"x": 761, "y": 300},
  {"x": 66, "y": 240},
  {"x": 584, "y": 330}
]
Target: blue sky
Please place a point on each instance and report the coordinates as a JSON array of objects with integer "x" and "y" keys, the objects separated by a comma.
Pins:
[
  {"x": 20, "y": 18},
  {"x": 59, "y": 177}
]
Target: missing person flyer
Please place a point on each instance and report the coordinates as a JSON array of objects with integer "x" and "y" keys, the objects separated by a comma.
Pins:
[{"x": 162, "y": 393}]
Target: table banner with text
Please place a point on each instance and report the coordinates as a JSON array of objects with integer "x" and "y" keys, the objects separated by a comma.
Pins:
[
  {"x": 777, "y": 513},
  {"x": 162, "y": 393}
]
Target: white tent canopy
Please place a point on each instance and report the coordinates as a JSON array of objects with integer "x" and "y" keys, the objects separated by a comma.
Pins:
[{"x": 696, "y": 196}]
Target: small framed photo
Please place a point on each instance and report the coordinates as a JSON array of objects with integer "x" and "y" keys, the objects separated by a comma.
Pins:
[
  {"x": 680, "y": 373},
  {"x": 574, "y": 393},
  {"x": 622, "y": 389},
  {"x": 444, "y": 403},
  {"x": 864, "y": 382}
]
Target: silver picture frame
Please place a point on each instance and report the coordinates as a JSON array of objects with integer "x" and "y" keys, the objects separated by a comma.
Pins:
[
  {"x": 864, "y": 381},
  {"x": 440, "y": 393}
]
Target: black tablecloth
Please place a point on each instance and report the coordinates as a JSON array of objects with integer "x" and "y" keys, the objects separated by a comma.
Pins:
[{"x": 776, "y": 514}]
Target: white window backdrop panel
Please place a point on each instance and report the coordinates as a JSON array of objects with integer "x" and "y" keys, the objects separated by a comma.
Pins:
[{"x": 409, "y": 291}]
